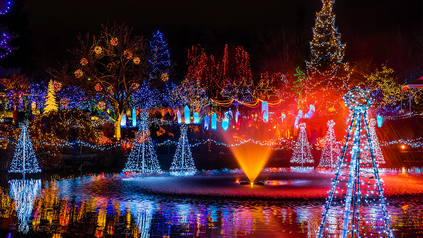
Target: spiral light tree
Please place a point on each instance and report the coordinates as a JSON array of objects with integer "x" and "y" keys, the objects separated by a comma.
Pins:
[{"x": 356, "y": 199}]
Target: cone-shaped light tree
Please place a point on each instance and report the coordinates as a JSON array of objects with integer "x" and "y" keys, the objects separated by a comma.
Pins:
[
  {"x": 24, "y": 160},
  {"x": 302, "y": 153},
  {"x": 331, "y": 150},
  {"x": 356, "y": 199},
  {"x": 143, "y": 157},
  {"x": 51, "y": 104},
  {"x": 183, "y": 163}
]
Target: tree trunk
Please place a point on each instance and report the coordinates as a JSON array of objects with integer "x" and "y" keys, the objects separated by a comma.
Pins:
[{"x": 117, "y": 126}]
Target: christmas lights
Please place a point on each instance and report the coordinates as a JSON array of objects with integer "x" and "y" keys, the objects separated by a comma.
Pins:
[
  {"x": 143, "y": 157},
  {"x": 302, "y": 153},
  {"x": 51, "y": 104},
  {"x": 159, "y": 58},
  {"x": 356, "y": 199},
  {"x": 24, "y": 160},
  {"x": 331, "y": 150},
  {"x": 183, "y": 163},
  {"x": 327, "y": 73}
]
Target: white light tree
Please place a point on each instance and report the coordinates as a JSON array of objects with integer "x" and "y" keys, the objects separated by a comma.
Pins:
[
  {"x": 24, "y": 159},
  {"x": 183, "y": 163},
  {"x": 302, "y": 153},
  {"x": 143, "y": 157},
  {"x": 332, "y": 149}
]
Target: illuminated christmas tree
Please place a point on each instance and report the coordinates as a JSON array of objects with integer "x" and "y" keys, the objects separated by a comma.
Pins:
[
  {"x": 356, "y": 199},
  {"x": 24, "y": 192},
  {"x": 24, "y": 160},
  {"x": 183, "y": 163},
  {"x": 51, "y": 104},
  {"x": 331, "y": 151},
  {"x": 326, "y": 69},
  {"x": 143, "y": 157},
  {"x": 159, "y": 58},
  {"x": 302, "y": 153}
]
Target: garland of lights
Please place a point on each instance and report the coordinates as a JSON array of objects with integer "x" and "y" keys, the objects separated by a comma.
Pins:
[
  {"x": 302, "y": 153},
  {"x": 183, "y": 163},
  {"x": 332, "y": 150},
  {"x": 357, "y": 184},
  {"x": 24, "y": 160},
  {"x": 143, "y": 158}
]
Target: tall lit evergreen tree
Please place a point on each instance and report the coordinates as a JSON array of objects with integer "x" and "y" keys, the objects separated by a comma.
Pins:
[
  {"x": 326, "y": 69},
  {"x": 159, "y": 58},
  {"x": 51, "y": 104}
]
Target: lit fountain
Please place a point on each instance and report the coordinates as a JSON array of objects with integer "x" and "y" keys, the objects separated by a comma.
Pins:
[{"x": 252, "y": 158}]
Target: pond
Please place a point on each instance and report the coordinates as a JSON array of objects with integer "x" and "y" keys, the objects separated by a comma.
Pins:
[{"x": 108, "y": 205}]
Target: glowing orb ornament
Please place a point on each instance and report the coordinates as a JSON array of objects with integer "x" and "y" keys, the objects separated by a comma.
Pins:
[
  {"x": 114, "y": 41},
  {"x": 98, "y": 50},
  {"x": 78, "y": 73},
  {"x": 127, "y": 54},
  {"x": 136, "y": 60},
  {"x": 83, "y": 61}
]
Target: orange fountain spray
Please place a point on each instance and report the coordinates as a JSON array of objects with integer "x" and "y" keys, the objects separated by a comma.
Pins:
[{"x": 252, "y": 158}]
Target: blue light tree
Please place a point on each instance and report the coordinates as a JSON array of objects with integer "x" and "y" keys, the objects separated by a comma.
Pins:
[
  {"x": 356, "y": 199},
  {"x": 24, "y": 160},
  {"x": 159, "y": 58}
]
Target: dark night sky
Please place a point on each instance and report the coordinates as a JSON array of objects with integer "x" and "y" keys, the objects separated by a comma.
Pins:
[{"x": 55, "y": 24}]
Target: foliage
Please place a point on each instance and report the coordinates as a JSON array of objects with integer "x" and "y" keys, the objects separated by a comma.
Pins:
[{"x": 385, "y": 90}]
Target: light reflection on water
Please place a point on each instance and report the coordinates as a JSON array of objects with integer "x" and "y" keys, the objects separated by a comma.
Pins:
[{"x": 109, "y": 206}]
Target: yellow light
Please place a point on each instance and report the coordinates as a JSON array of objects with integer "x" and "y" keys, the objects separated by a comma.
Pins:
[
  {"x": 402, "y": 146},
  {"x": 252, "y": 184}
]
